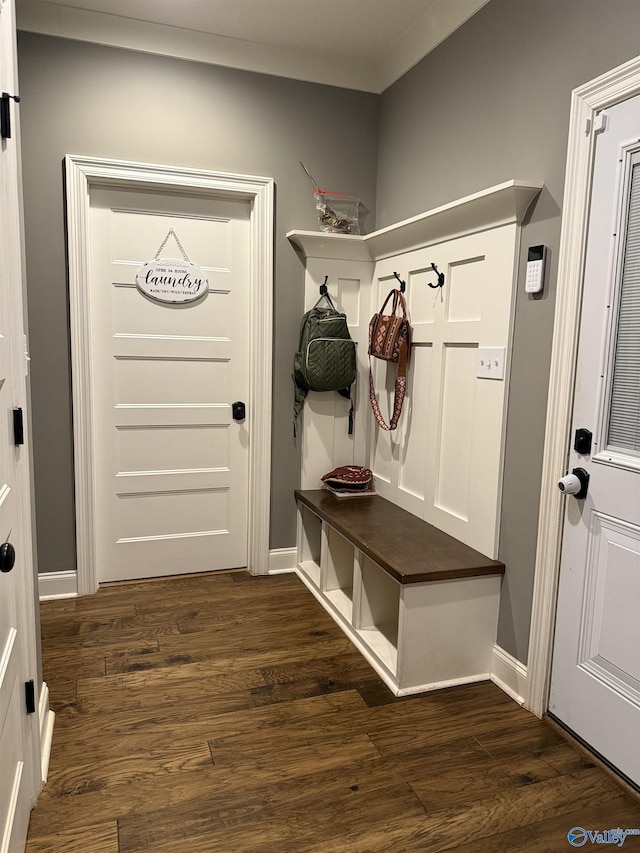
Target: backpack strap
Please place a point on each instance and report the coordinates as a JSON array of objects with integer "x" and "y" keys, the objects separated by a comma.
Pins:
[
  {"x": 346, "y": 393},
  {"x": 329, "y": 300},
  {"x": 299, "y": 396}
]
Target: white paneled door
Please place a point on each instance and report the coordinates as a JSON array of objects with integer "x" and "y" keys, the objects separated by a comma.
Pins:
[
  {"x": 595, "y": 689},
  {"x": 15, "y": 803},
  {"x": 171, "y": 461},
  {"x": 19, "y": 731}
]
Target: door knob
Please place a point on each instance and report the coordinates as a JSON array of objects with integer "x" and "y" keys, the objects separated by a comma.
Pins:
[
  {"x": 7, "y": 557},
  {"x": 576, "y": 483},
  {"x": 238, "y": 410}
]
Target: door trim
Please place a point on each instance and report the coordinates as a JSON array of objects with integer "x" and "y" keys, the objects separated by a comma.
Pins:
[
  {"x": 83, "y": 174},
  {"x": 586, "y": 101}
]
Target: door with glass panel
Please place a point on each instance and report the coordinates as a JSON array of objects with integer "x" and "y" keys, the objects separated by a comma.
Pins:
[{"x": 595, "y": 687}]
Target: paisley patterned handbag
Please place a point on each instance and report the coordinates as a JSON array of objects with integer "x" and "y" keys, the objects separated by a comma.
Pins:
[{"x": 390, "y": 340}]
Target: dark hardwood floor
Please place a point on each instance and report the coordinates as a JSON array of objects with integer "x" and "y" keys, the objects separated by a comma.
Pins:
[{"x": 229, "y": 713}]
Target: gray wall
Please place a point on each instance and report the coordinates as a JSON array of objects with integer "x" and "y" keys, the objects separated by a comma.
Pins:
[
  {"x": 490, "y": 104},
  {"x": 84, "y": 99}
]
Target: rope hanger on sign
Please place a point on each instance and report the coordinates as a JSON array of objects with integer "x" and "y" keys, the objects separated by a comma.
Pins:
[{"x": 173, "y": 234}]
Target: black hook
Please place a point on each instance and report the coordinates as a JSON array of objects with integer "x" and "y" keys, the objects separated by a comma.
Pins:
[
  {"x": 440, "y": 277},
  {"x": 403, "y": 285},
  {"x": 324, "y": 290}
]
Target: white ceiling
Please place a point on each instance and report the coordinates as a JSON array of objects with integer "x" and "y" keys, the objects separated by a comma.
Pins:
[{"x": 358, "y": 44}]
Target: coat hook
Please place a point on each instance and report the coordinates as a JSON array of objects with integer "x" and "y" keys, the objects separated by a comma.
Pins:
[
  {"x": 403, "y": 285},
  {"x": 323, "y": 287},
  {"x": 440, "y": 277}
]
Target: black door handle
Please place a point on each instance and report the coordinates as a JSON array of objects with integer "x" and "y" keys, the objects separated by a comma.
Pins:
[
  {"x": 18, "y": 427},
  {"x": 5, "y": 114},
  {"x": 238, "y": 410},
  {"x": 7, "y": 557}
]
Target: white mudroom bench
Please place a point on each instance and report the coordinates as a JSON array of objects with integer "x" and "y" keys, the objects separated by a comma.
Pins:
[{"x": 421, "y": 606}]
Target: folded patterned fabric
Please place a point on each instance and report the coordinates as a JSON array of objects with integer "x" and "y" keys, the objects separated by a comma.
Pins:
[{"x": 348, "y": 478}]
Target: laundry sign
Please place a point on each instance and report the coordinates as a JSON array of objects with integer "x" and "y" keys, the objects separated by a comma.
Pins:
[{"x": 172, "y": 279}]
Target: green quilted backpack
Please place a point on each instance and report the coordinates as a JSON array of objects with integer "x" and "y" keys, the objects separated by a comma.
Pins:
[{"x": 326, "y": 356}]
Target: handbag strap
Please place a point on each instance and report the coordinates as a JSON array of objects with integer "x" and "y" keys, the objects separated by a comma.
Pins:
[
  {"x": 397, "y": 298},
  {"x": 401, "y": 376},
  {"x": 403, "y": 304},
  {"x": 398, "y": 394},
  {"x": 384, "y": 304},
  {"x": 395, "y": 293}
]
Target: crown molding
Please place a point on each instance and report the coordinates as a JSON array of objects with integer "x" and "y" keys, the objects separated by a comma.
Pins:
[
  {"x": 440, "y": 19},
  {"x": 51, "y": 19}
]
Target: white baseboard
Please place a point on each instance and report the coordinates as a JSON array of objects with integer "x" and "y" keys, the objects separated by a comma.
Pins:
[
  {"x": 47, "y": 719},
  {"x": 282, "y": 561},
  {"x": 53, "y": 585},
  {"x": 57, "y": 585},
  {"x": 509, "y": 674}
]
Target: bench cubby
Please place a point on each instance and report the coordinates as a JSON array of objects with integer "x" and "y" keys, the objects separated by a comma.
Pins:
[
  {"x": 338, "y": 571},
  {"x": 309, "y": 546},
  {"x": 421, "y": 606}
]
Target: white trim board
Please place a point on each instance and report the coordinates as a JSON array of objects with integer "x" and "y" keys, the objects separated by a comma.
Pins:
[
  {"x": 509, "y": 675},
  {"x": 47, "y": 720},
  {"x": 53, "y": 585},
  {"x": 282, "y": 560},
  {"x": 83, "y": 173},
  {"x": 605, "y": 91}
]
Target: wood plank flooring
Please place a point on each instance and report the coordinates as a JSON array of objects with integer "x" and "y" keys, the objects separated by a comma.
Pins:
[{"x": 229, "y": 713}]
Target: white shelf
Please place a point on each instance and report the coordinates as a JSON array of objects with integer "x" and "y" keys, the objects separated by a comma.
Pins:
[
  {"x": 311, "y": 571},
  {"x": 383, "y": 643},
  {"x": 379, "y": 609},
  {"x": 309, "y": 545},
  {"x": 499, "y": 205},
  {"x": 342, "y": 600},
  {"x": 338, "y": 564},
  {"x": 320, "y": 244}
]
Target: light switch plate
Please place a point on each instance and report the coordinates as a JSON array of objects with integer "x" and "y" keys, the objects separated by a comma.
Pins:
[{"x": 490, "y": 362}]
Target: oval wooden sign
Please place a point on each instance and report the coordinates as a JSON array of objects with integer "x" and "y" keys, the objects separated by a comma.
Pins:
[{"x": 172, "y": 280}]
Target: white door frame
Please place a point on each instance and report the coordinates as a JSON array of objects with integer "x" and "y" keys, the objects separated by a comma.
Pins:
[
  {"x": 83, "y": 173},
  {"x": 605, "y": 91}
]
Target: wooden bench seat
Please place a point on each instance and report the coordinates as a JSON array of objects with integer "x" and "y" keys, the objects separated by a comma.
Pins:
[
  {"x": 421, "y": 606},
  {"x": 405, "y": 546}
]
